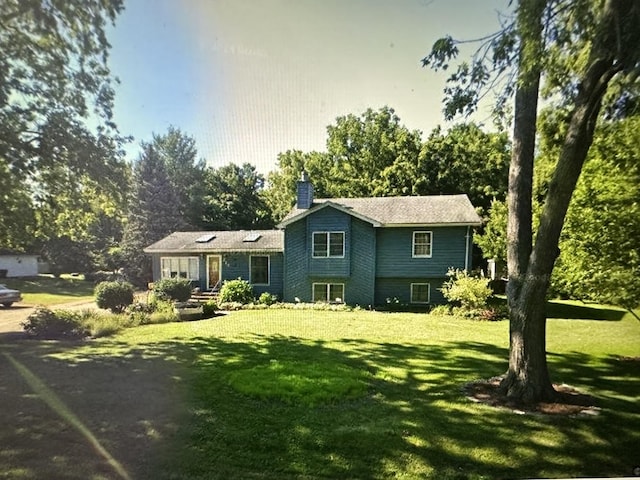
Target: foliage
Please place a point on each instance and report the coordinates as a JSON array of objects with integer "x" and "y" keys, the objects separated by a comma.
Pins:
[
  {"x": 373, "y": 154},
  {"x": 234, "y": 199},
  {"x": 469, "y": 292},
  {"x": 47, "y": 324},
  {"x": 103, "y": 276},
  {"x": 280, "y": 196},
  {"x": 598, "y": 248},
  {"x": 464, "y": 160},
  {"x": 153, "y": 214},
  {"x": 186, "y": 173},
  {"x": 493, "y": 238},
  {"x": 440, "y": 310},
  {"x": 600, "y": 245},
  {"x": 209, "y": 308},
  {"x": 103, "y": 324},
  {"x": 367, "y": 153},
  {"x": 115, "y": 296},
  {"x": 176, "y": 289},
  {"x": 239, "y": 291},
  {"x": 267, "y": 298},
  {"x": 56, "y": 113}
]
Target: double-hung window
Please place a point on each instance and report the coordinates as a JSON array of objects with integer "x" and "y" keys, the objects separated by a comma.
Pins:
[
  {"x": 328, "y": 292},
  {"x": 422, "y": 244},
  {"x": 259, "y": 269},
  {"x": 179, "y": 267},
  {"x": 328, "y": 244}
]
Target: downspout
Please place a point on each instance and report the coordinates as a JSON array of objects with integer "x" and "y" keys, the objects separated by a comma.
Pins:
[{"x": 466, "y": 250}]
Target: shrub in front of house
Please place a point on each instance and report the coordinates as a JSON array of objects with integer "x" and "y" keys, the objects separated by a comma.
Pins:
[
  {"x": 236, "y": 291},
  {"x": 267, "y": 298},
  {"x": 47, "y": 324},
  {"x": 466, "y": 291},
  {"x": 174, "y": 289},
  {"x": 115, "y": 296},
  {"x": 209, "y": 309}
]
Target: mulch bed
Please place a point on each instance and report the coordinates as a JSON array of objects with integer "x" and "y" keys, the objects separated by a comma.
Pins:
[{"x": 570, "y": 401}]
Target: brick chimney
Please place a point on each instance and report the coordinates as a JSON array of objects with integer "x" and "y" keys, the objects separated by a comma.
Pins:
[{"x": 305, "y": 192}]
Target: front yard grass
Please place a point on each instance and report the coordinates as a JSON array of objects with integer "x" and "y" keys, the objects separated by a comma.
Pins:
[
  {"x": 169, "y": 401},
  {"x": 48, "y": 290}
]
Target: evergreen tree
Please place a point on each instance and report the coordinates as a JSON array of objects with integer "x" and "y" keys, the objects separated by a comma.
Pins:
[
  {"x": 178, "y": 152},
  {"x": 153, "y": 214}
]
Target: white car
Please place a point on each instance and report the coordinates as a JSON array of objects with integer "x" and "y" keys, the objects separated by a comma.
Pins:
[{"x": 8, "y": 296}]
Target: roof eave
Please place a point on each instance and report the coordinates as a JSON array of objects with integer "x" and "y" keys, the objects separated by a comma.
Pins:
[
  {"x": 214, "y": 251},
  {"x": 329, "y": 203}
]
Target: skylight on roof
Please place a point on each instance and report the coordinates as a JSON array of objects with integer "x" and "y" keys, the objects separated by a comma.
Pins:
[
  {"x": 252, "y": 237},
  {"x": 207, "y": 237}
]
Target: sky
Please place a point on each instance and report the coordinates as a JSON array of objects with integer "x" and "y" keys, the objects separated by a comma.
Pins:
[{"x": 249, "y": 79}]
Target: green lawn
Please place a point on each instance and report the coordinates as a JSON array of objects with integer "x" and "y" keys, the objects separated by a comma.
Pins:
[
  {"x": 225, "y": 398},
  {"x": 49, "y": 290}
]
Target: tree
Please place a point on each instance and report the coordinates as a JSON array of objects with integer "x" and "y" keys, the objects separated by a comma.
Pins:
[
  {"x": 465, "y": 160},
  {"x": 580, "y": 46},
  {"x": 281, "y": 192},
  {"x": 54, "y": 82},
  {"x": 234, "y": 199},
  {"x": 393, "y": 161},
  {"x": 186, "y": 173},
  {"x": 364, "y": 150},
  {"x": 372, "y": 154},
  {"x": 153, "y": 214},
  {"x": 71, "y": 228},
  {"x": 600, "y": 242}
]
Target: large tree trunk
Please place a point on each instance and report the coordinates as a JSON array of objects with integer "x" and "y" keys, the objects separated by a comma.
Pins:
[{"x": 527, "y": 379}]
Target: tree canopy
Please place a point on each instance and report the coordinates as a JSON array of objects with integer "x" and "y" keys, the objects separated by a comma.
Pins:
[
  {"x": 178, "y": 152},
  {"x": 56, "y": 102},
  {"x": 374, "y": 154},
  {"x": 233, "y": 199}
]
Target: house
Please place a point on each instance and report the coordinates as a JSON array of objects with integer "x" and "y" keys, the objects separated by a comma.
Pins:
[
  {"x": 360, "y": 251},
  {"x": 209, "y": 258},
  {"x": 14, "y": 264}
]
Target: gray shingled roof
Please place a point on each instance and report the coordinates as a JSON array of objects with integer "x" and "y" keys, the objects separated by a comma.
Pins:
[
  {"x": 388, "y": 211},
  {"x": 222, "y": 241}
]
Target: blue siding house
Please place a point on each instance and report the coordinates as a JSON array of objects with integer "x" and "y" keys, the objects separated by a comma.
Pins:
[
  {"x": 360, "y": 251},
  {"x": 210, "y": 258}
]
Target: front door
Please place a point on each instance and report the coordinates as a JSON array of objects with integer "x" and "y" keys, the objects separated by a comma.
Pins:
[{"x": 214, "y": 264}]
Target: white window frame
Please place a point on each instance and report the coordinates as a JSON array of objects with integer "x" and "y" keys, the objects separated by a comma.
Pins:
[
  {"x": 328, "y": 238},
  {"x": 327, "y": 287},
  {"x": 251, "y": 257},
  {"x": 192, "y": 271},
  {"x": 414, "y": 244},
  {"x": 412, "y": 300}
]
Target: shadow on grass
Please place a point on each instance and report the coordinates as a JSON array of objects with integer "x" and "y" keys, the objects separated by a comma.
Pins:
[
  {"x": 558, "y": 309},
  {"x": 413, "y": 421},
  {"x": 572, "y": 311},
  {"x": 42, "y": 284}
]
